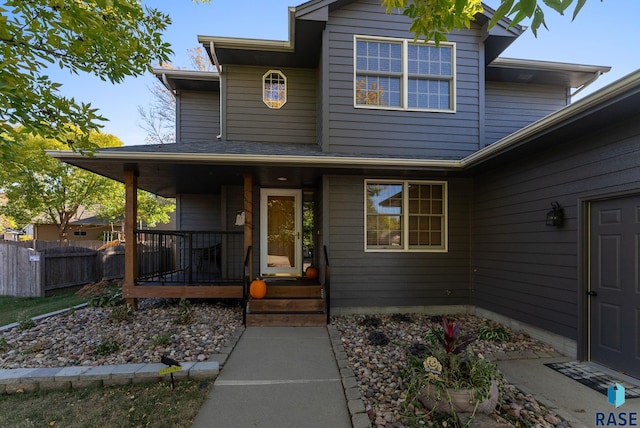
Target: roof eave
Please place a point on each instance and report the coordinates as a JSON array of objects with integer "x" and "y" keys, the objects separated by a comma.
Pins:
[
  {"x": 547, "y": 123},
  {"x": 529, "y": 64},
  {"x": 247, "y": 159},
  {"x": 177, "y": 79}
]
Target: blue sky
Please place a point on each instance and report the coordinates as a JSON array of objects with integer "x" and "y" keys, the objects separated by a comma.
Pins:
[{"x": 605, "y": 33}]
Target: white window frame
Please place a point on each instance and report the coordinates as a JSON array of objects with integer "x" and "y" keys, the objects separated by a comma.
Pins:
[
  {"x": 405, "y": 75},
  {"x": 268, "y": 102},
  {"x": 405, "y": 218}
]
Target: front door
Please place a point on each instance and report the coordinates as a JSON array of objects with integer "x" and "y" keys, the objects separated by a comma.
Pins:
[
  {"x": 280, "y": 232},
  {"x": 615, "y": 284}
]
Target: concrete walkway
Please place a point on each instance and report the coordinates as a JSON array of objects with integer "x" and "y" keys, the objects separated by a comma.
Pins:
[
  {"x": 279, "y": 377},
  {"x": 573, "y": 401}
]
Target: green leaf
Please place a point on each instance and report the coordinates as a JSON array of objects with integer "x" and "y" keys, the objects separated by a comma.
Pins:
[
  {"x": 557, "y": 5},
  {"x": 538, "y": 19},
  {"x": 579, "y": 6},
  {"x": 528, "y": 7},
  {"x": 503, "y": 10}
]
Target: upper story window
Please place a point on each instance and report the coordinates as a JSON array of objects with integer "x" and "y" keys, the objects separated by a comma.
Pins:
[
  {"x": 405, "y": 215},
  {"x": 274, "y": 89},
  {"x": 399, "y": 74}
]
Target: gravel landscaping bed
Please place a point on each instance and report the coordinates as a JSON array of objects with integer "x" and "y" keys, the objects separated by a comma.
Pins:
[
  {"x": 90, "y": 336},
  {"x": 94, "y": 336},
  {"x": 378, "y": 369}
]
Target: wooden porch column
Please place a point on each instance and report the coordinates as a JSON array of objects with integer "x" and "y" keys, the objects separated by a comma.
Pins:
[
  {"x": 248, "y": 219},
  {"x": 130, "y": 244}
]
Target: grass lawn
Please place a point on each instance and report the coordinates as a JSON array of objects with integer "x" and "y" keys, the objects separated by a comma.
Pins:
[
  {"x": 151, "y": 405},
  {"x": 13, "y": 308}
]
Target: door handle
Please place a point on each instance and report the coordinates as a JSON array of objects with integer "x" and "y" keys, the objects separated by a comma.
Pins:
[{"x": 592, "y": 293}]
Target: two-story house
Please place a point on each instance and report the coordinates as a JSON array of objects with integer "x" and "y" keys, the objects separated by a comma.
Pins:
[{"x": 416, "y": 177}]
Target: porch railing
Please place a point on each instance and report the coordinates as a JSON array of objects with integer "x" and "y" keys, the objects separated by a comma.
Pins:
[
  {"x": 327, "y": 283},
  {"x": 190, "y": 257},
  {"x": 247, "y": 282}
]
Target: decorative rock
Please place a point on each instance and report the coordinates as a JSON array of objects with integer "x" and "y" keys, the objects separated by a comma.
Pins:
[
  {"x": 75, "y": 336},
  {"x": 378, "y": 369},
  {"x": 552, "y": 419}
]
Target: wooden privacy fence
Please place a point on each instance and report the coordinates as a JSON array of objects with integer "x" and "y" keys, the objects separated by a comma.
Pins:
[
  {"x": 28, "y": 273},
  {"x": 68, "y": 266},
  {"x": 20, "y": 273}
]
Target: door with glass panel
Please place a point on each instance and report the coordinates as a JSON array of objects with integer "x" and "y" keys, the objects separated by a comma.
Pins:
[{"x": 280, "y": 232}]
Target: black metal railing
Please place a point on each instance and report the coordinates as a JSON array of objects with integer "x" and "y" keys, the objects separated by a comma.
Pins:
[
  {"x": 188, "y": 257},
  {"x": 247, "y": 282},
  {"x": 327, "y": 284}
]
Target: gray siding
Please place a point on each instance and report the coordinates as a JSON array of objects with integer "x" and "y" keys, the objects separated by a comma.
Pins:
[
  {"x": 199, "y": 212},
  {"x": 249, "y": 119},
  {"x": 407, "y": 133},
  {"x": 198, "y": 116},
  {"x": 511, "y": 106},
  {"x": 360, "y": 279},
  {"x": 523, "y": 268}
]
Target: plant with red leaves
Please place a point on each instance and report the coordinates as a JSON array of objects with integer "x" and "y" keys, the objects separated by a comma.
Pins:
[{"x": 450, "y": 338}]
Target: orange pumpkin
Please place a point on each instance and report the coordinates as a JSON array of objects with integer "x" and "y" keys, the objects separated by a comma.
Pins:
[
  {"x": 311, "y": 272},
  {"x": 258, "y": 288}
]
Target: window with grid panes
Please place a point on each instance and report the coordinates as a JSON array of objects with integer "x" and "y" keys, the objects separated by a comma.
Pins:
[
  {"x": 274, "y": 89},
  {"x": 405, "y": 215},
  {"x": 401, "y": 74}
]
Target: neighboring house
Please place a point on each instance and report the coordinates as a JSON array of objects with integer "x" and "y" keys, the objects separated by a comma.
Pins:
[
  {"x": 83, "y": 228},
  {"x": 429, "y": 171},
  {"x": 11, "y": 234}
]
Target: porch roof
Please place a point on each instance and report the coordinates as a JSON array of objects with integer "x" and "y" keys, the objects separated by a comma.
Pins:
[{"x": 198, "y": 167}]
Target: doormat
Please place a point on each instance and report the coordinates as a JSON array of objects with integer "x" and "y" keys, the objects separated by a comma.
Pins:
[{"x": 594, "y": 379}]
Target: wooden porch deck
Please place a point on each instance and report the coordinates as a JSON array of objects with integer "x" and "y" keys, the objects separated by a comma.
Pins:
[{"x": 169, "y": 291}]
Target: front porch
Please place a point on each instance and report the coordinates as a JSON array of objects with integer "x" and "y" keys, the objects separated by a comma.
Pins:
[
  {"x": 211, "y": 265},
  {"x": 219, "y": 264}
]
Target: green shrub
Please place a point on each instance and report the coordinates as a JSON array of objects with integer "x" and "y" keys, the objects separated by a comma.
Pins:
[
  {"x": 4, "y": 345},
  {"x": 25, "y": 322},
  {"x": 121, "y": 313},
  {"x": 431, "y": 336},
  {"x": 108, "y": 346},
  {"x": 161, "y": 339},
  {"x": 109, "y": 297},
  {"x": 39, "y": 346},
  {"x": 185, "y": 312},
  {"x": 493, "y": 332}
]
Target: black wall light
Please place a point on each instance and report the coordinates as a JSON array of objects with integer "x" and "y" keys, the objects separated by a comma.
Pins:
[{"x": 555, "y": 217}]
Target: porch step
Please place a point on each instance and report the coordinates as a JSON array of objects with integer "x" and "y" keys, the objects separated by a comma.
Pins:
[
  {"x": 288, "y": 303},
  {"x": 286, "y": 320},
  {"x": 288, "y": 291}
]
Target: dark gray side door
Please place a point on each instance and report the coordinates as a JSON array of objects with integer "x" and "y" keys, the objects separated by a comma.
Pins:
[{"x": 615, "y": 284}]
